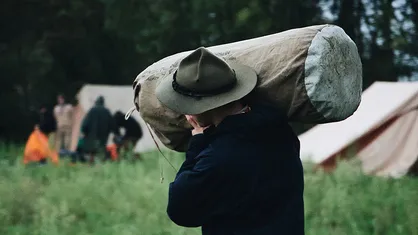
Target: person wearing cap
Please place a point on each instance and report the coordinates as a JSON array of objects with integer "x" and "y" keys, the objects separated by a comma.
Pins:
[{"x": 242, "y": 173}]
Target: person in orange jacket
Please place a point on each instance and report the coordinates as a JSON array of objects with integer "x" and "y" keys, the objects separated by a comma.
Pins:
[{"x": 38, "y": 150}]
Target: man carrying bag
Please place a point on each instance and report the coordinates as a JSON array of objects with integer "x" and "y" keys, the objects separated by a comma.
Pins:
[{"x": 242, "y": 174}]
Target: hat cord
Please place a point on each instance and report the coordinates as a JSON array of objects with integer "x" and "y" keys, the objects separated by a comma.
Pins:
[
  {"x": 159, "y": 149},
  {"x": 127, "y": 116}
]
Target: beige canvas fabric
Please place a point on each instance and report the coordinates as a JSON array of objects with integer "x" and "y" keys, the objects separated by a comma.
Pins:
[
  {"x": 385, "y": 126},
  {"x": 313, "y": 73},
  {"x": 395, "y": 150}
]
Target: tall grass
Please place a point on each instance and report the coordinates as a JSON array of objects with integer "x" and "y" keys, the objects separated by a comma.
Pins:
[{"x": 128, "y": 198}]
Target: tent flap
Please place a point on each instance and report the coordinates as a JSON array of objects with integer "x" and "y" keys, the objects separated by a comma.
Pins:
[{"x": 384, "y": 103}]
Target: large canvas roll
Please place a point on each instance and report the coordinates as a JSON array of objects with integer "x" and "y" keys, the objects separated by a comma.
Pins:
[{"x": 313, "y": 73}]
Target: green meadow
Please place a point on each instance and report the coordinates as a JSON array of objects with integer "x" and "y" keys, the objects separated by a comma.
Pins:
[{"x": 128, "y": 198}]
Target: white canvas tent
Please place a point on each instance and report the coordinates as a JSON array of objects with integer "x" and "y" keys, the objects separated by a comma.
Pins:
[
  {"x": 117, "y": 98},
  {"x": 382, "y": 133}
]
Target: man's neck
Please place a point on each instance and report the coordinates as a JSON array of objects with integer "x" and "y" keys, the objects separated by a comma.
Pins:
[{"x": 236, "y": 109}]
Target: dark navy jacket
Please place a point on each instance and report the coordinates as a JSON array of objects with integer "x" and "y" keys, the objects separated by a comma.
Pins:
[{"x": 243, "y": 177}]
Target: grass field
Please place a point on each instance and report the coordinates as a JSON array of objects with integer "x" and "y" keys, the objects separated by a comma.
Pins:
[{"x": 127, "y": 198}]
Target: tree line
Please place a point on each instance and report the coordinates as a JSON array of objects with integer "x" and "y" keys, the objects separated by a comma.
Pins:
[{"x": 49, "y": 47}]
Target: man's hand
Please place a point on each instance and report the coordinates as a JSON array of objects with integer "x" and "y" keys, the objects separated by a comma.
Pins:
[{"x": 196, "y": 128}]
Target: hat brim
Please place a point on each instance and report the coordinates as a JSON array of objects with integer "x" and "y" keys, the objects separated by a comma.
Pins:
[{"x": 246, "y": 82}]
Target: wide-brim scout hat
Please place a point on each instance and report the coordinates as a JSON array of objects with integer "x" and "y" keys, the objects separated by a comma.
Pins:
[{"x": 203, "y": 82}]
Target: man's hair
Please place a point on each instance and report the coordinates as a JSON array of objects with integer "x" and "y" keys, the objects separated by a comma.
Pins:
[{"x": 230, "y": 105}]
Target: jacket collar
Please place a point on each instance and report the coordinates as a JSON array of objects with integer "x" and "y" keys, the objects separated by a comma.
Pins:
[{"x": 260, "y": 117}]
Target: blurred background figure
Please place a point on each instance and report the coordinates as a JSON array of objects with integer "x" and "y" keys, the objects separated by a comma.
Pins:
[
  {"x": 40, "y": 142},
  {"x": 47, "y": 122},
  {"x": 132, "y": 129},
  {"x": 132, "y": 132},
  {"x": 113, "y": 150},
  {"x": 95, "y": 128},
  {"x": 63, "y": 113},
  {"x": 37, "y": 148}
]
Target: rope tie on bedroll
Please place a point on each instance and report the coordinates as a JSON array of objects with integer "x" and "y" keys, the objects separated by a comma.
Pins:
[{"x": 127, "y": 116}]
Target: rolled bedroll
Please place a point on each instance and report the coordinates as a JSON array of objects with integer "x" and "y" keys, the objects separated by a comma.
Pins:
[{"x": 314, "y": 74}]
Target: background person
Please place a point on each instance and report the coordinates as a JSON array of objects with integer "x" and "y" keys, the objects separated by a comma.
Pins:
[
  {"x": 63, "y": 113},
  {"x": 133, "y": 132},
  {"x": 96, "y": 127}
]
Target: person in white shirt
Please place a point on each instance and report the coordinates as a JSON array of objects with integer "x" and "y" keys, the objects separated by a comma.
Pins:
[{"x": 63, "y": 114}]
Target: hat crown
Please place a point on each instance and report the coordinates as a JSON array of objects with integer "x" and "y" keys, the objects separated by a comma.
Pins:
[{"x": 202, "y": 71}]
